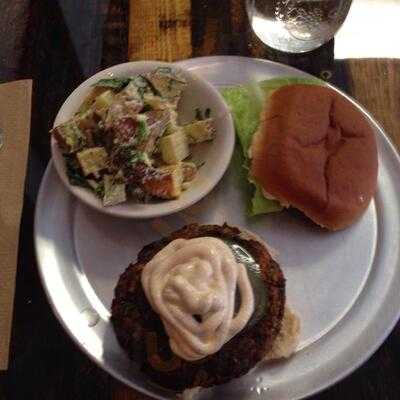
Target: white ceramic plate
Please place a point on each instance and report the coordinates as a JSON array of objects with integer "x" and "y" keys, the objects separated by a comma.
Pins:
[
  {"x": 344, "y": 285},
  {"x": 215, "y": 155}
]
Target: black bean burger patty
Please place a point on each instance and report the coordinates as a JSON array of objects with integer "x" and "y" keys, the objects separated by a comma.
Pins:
[{"x": 141, "y": 333}]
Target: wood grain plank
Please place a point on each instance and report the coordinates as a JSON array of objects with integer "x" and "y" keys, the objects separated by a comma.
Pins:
[
  {"x": 160, "y": 29},
  {"x": 212, "y": 28},
  {"x": 240, "y": 29},
  {"x": 375, "y": 83},
  {"x": 204, "y": 29}
]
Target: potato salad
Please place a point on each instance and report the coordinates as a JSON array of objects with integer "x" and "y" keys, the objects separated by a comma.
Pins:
[{"x": 126, "y": 141}]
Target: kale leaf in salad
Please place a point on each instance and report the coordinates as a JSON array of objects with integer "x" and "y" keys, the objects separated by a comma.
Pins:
[
  {"x": 74, "y": 173},
  {"x": 142, "y": 132},
  {"x": 113, "y": 83}
]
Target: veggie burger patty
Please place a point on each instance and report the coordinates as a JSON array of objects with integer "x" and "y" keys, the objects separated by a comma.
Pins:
[{"x": 141, "y": 333}]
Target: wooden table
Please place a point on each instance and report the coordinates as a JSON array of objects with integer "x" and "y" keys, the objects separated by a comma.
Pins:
[{"x": 61, "y": 43}]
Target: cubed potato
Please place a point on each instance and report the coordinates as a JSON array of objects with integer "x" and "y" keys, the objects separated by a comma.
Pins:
[
  {"x": 114, "y": 191},
  {"x": 69, "y": 137},
  {"x": 174, "y": 147},
  {"x": 92, "y": 160},
  {"x": 200, "y": 131},
  {"x": 164, "y": 182},
  {"x": 104, "y": 100}
]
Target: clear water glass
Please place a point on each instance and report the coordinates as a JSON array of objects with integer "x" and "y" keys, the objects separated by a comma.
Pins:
[{"x": 296, "y": 26}]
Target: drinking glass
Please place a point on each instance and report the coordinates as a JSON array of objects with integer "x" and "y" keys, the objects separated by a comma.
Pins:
[{"x": 296, "y": 26}]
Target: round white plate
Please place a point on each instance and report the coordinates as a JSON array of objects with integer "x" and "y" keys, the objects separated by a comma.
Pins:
[
  {"x": 215, "y": 155},
  {"x": 345, "y": 286}
]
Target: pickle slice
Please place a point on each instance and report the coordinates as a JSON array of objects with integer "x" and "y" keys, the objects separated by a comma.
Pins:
[{"x": 244, "y": 257}]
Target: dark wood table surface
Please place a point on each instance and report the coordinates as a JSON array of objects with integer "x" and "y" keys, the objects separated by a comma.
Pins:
[{"x": 59, "y": 43}]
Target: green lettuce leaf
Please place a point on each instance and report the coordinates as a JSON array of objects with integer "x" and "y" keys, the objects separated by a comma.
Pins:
[
  {"x": 261, "y": 205},
  {"x": 245, "y": 103},
  {"x": 245, "y": 109}
]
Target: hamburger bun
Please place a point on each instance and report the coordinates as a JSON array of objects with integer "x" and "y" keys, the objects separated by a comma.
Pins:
[{"x": 315, "y": 151}]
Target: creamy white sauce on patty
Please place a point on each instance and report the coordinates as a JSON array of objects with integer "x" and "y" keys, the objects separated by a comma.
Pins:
[{"x": 191, "y": 284}]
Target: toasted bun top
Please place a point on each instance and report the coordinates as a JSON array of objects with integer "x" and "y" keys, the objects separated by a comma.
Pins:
[{"x": 317, "y": 152}]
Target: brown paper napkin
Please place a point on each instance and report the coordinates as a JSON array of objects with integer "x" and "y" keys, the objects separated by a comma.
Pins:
[{"x": 15, "y": 117}]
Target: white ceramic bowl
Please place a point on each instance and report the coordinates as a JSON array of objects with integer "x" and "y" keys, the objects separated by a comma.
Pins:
[{"x": 216, "y": 155}]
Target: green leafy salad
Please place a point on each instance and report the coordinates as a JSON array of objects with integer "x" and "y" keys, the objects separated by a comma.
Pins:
[
  {"x": 246, "y": 103},
  {"x": 125, "y": 140}
]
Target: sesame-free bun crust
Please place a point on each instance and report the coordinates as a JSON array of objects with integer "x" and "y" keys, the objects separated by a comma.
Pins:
[{"x": 317, "y": 152}]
